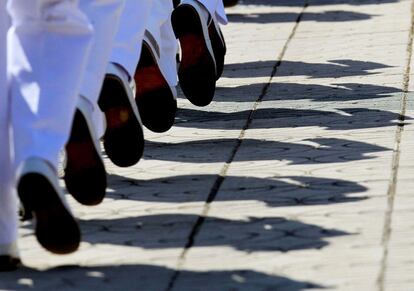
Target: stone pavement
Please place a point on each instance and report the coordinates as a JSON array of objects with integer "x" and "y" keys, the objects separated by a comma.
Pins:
[{"x": 297, "y": 177}]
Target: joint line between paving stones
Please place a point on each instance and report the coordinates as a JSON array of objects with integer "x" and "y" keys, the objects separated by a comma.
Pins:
[
  {"x": 392, "y": 188},
  {"x": 223, "y": 173}
]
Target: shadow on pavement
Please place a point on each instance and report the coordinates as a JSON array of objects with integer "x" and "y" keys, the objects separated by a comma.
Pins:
[
  {"x": 280, "y": 17},
  {"x": 320, "y": 151},
  {"x": 343, "y": 119},
  {"x": 340, "y": 92},
  {"x": 278, "y": 191},
  {"x": 146, "y": 277},
  {"x": 300, "y": 3},
  {"x": 275, "y": 234},
  {"x": 330, "y": 69}
]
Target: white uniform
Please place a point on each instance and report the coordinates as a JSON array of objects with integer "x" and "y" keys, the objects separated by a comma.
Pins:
[
  {"x": 159, "y": 25},
  {"x": 216, "y": 9},
  {"x": 48, "y": 44},
  {"x": 128, "y": 40},
  {"x": 8, "y": 203},
  {"x": 105, "y": 17}
]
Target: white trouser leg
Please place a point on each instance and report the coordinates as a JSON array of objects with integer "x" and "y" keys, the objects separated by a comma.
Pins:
[
  {"x": 105, "y": 16},
  {"x": 216, "y": 9},
  {"x": 159, "y": 25},
  {"x": 8, "y": 203},
  {"x": 128, "y": 40},
  {"x": 49, "y": 41}
]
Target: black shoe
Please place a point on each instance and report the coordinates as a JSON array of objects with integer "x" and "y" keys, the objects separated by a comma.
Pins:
[
  {"x": 124, "y": 136},
  {"x": 39, "y": 192},
  {"x": 197, "y": 71},
  {"x": 155, "y": 98},
  {"x": 85, "y": 174},
  {"x": 9, "y": 263},
  {"x": 230, "y": 3},
  {"x": 219, "y": 46}
]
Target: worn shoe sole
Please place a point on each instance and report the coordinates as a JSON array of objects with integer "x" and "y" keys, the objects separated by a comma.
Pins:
[
  {"x": 85, "y": 174},
  {"x": 156, "y": 102},
  {"x": 124, "y": 137},
  {"x": 56, "y": 229},
  {"x": 197, "y": 72}
]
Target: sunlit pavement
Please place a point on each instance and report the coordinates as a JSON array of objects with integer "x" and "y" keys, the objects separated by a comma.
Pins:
[{"x": 298, "y": 176}]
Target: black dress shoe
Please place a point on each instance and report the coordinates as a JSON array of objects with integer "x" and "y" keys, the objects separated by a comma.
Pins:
[
  {"x": 85, "y": 174},
  {"x": 230, "y": 3},
  {"x": 8, "y": 263},
  {"x": 197, "y": 71},
  {"x": 155, "y": 99},
  {"x": 124, "y": 136},
  {"x": 56, "y": 229}
]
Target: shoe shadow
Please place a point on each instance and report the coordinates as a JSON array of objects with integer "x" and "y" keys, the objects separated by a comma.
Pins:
[
  {"x": 274, "y": 234},
  {"x": 283, "y": 191},
  {"x": 319, "y": 93},
  {"x": 331, "y": 69},
  {"x": 343, "y": 119},
  {"x": 320, "y": 151},
  {"x": 300, "y": 3},
  {"x": 283, "y": 17}
]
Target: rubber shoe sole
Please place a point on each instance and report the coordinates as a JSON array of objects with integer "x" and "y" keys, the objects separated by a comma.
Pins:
[
  {"x": 156, "y": 102},
  {"x": 56, "y": 229},
  {"x": 197, "y": 71},
  {"x": 85, "y": 174},
  {"x": 124, "y": 137}
]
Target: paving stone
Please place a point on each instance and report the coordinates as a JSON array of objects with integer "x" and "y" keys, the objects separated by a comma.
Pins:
[{"x": 303, "y": 199}]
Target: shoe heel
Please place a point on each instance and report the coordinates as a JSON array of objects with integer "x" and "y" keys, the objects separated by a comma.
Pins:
[
  {"x": 85, "y": 174},
  {"x": 56, "y": 229},
  {"x": 124, "y": 137},
  {"x": 154, "y": 98},
  {"x": 185, "y": 21}
]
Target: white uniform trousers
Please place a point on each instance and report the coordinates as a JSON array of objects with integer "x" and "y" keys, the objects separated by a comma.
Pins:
[
  {"x": 104, "y": 16},
  {"x": 216, "y": 9},
  {"x": 48, "y": 43},
  {"x": 8, "y": 203},
  {"x": 128, "y": 40},
  {"x": 160, "y": 27}
]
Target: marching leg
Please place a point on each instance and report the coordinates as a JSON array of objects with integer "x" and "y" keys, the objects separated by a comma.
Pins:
[
  {"x": 9, "y": 257},
  {"x": 85, "y": 174},
  {"x": 128, "y": 40},
  {"x": 156, "y": 74},
  {"x": 48, "y": 43},
  {"x": 105, "y": 16},
  {"x": 124, "y": 136},
  {"x": 197, "y": 72}
]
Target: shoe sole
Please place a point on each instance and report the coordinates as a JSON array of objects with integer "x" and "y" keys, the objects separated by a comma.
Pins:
[
  {"x": 8, "y": 264},
  {"x": 124, "y": 137},
  {"x": 56, "y": 229},
  {"x": 197, "y": 71},
  {"x": 85, "y": 174},
  {"x": 155, "y": 100},
  {"x": 219, "y": 48}
]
